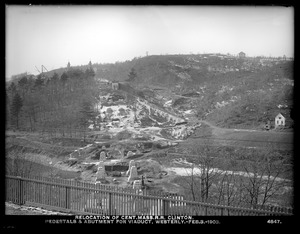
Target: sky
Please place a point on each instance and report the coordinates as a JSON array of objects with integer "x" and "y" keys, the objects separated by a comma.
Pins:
[{"x": 55, "y": 35}]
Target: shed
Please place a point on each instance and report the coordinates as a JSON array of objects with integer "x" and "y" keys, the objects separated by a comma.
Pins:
[{"x": 115, "y": 85}]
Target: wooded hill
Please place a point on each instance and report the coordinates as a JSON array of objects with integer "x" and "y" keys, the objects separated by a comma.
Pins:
[{"x": 226, "y": 90}]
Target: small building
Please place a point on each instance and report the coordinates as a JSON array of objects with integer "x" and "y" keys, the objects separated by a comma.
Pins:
[
  {"x": 242, "y": 55},
  {"x": 115, "y": 85},
  {"x": 68, "y": 66},
  {"x": 279, "y": 121}
]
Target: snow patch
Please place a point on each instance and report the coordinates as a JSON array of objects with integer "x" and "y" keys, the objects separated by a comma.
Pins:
[
  {"x": 189, "y": 111},
  {"x": 183, "y": 171}
]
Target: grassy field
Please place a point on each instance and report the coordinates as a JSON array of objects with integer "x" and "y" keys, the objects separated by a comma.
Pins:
[{"x": 242, "y": 137}]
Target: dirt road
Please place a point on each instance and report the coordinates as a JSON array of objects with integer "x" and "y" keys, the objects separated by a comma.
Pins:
[{"x": 219, "y": 131}]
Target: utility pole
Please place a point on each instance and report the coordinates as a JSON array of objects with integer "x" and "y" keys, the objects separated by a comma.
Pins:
[
  {"x": 45, "y": 68},
  {"x": 42, "y": 69}
]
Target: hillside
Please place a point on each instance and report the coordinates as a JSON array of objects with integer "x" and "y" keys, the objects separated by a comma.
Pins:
[
  {"x": 226, "y": 90},
  {"x": 252, "y": 99},
  {"x": 230, "y": 92}
]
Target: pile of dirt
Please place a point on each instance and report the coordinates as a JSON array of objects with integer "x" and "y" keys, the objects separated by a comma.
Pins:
[{"x": 150, "y": 169}]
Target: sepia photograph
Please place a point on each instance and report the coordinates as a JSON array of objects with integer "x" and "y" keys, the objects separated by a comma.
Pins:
[{"x": 149, "y": 114}]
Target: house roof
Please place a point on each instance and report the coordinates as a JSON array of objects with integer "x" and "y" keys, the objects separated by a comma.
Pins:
[{"x": 279, "y": 115}]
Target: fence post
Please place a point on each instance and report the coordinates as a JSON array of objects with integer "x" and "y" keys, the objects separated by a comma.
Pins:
[
  {"x": 68, "y": 197},
  {"x": 165, "y": 207},
  {"x": 110, "y": 204},
  {"x": 21, "y": 192}
]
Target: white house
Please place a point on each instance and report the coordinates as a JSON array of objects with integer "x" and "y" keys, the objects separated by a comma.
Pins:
[{"x": 279, "y": 121}]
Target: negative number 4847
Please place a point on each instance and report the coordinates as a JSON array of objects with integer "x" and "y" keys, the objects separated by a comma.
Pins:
[{"x": 274, "y": 221}]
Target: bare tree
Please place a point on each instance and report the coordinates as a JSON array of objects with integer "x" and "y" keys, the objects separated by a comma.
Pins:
[
  {"x": 262, "y": 179},
  {"x": 228, "y": 189},
  {"x": 203, "y": 175},
  {"x": 17, "y": 165},
  {"x": 253, "y": 186}
]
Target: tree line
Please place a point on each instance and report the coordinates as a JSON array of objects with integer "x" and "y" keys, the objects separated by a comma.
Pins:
[{"x": 67, "y": 100}]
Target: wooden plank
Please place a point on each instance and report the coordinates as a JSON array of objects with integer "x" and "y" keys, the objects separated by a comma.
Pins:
[
  {"x": 86, "y": 196},
  {"x": 9, "y": 189},
  {"x": 12, "y": 191},
  {"x": 16, "y": 191},
  {"x": 38, "y": 193},
  {"x": 126, "y": 208},
  {"x": 73, "y": 197},
  {"x": 80, "y": 204},
  {"x": 60, "y": 194},
  {"x": 37, "y": 190},
  {"x": 46, "y": 195}
]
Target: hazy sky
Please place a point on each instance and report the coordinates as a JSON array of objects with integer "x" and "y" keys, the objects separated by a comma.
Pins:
[{"x": 53, "y": 35}]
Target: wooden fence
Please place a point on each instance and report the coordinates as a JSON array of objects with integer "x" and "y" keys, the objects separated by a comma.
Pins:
[{"x": 87, "y": 198}]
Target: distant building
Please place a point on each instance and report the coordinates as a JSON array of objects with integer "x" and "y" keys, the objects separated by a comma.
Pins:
[
  {"x": 115, "y": 85},
  {"x": 279, "y": 121},
  {"x": 242, "y": 55},
  {"x": 104, "y": 84},
  {"x": 68, "y": 66}
]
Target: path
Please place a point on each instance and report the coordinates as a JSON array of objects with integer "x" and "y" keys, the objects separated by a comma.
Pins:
[{"x": 217, "y": 129}]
